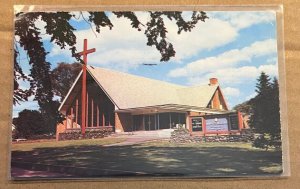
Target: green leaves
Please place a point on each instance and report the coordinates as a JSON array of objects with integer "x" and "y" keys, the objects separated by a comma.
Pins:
[
  {"x": 265, "y": 118},
  {"x": 135, "y": 23},
  {"x": 30, "y": 41},
  {"x": 63, "y": 76},
  {"x": 186, "y": 25},
  {"x": 59, "y": 28},
  {"x": 29, "y": 123},
  {"x": 156, "y": 32},
  {"x": 100, "y": 19},
  {"x": 156, "y": 35}
]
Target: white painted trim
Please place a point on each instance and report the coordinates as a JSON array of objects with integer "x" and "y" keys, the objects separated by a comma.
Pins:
[
  {"x": 69, "y": 92},
  {"x": 102, "y": 88}
]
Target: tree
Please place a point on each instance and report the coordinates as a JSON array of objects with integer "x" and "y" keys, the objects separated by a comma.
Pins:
[
  {"x": 261, "y": 104},
  {"x": 51, "y": 116},
  {"x": 275, "y": 111},
  {"x": 63, "y": 77},
  {"x": 265, "y": 117},
  {"x": 244, "y": 107},
  {"x": 29, "y": 123}
]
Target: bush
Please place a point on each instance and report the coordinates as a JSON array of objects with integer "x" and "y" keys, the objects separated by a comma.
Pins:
[
  {"x": 29, "y": 123},
  {"x": 261, "y": 142}
]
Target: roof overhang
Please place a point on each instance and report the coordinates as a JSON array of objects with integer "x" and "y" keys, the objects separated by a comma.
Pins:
[{"x": 171, "y": 108}]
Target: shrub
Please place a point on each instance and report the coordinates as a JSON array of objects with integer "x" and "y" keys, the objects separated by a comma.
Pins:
[
  {"x": 29, "y": 123},
  {"x": 261, "y": 142}
]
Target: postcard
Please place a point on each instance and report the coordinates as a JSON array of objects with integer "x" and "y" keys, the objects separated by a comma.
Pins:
[{"x": 186, "y": 93}]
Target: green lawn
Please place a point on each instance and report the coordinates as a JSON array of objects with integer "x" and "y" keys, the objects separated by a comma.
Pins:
[
  {"x": 29, "y": 146},
  {"x": 89, "y": 158}
]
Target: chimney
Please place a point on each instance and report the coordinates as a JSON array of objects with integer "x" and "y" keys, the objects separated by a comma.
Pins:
[{"x": 213, "y": 81}]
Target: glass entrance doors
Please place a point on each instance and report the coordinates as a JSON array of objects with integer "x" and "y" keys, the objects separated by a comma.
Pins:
[
  {"x": 158, "y": 121},
  {"x": 150, "y": 122}
]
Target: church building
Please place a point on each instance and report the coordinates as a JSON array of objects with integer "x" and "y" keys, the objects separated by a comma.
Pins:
[{"x": 122, "y": 102}]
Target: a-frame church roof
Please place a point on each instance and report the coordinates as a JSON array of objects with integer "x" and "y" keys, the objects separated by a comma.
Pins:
[{"x": 130, "y": 91}]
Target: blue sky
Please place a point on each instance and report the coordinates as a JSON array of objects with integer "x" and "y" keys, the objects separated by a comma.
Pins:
[{"x": 232, "y": 46}]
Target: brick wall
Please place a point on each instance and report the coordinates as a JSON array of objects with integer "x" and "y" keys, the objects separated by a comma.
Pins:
[
  {"x": 60, "y": 128},
  {"x": 123, "y": 122},
  {"x": 187, "y": 122},
  {"x": 196, "y": 113},
  {"x": 216, "y": 100}
]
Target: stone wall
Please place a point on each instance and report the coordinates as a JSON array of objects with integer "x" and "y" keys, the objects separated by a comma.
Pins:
[
  {"x": 89, "y": 134},
  {"x": 184, "y": 136}
]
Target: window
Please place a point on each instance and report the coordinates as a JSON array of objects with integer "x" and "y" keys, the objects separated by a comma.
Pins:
[
  {"x": 234, "y": 122},
  {"x": 197, "y": 124}
]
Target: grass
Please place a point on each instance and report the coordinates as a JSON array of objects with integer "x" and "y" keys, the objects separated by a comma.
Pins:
[
  {"x": 237, "y": 145},
  {"x": 29, "y": 146},
  {"x": 159, "y": 158},
  {"x": 201, "y": 145}
]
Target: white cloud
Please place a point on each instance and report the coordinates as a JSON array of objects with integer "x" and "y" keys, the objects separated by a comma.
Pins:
[
  {"x": 270, "y": 69},
  {"x": 121, "y": 48},
  {"x": 230, "y": 91},
  {"x": 272, "y": 60},
  {"x": 233, "y": 76},
  {"x": 226, "y": 59},
  {"x": 56, "y": 50},
  {"x": 124, "y": 47},
  {"x": 241, "y": 20},
  {"x": 204, "y": 36}
]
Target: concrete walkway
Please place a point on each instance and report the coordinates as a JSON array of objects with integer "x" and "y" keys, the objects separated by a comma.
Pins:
[
  {"x": 133, "y": 140},
  {"x": 138, "y": 137}
]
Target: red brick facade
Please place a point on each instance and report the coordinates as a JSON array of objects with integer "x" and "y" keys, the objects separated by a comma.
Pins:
[
  {"x": 218, "y": 101},
  {"x": 60, "y": 128}
]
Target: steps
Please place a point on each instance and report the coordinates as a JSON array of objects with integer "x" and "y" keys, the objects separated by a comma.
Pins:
[{"x": 163, "y": 133}]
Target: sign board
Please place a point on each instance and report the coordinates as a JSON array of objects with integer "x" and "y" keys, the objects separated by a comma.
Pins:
[
  {"x": 234, "y": 122},
  {"x": 216, "y": 124},
  {"x": 197, "y": 124}
]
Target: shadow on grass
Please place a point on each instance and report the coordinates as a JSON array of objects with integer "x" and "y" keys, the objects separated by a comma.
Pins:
[{"x": 151, "y": 160}]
